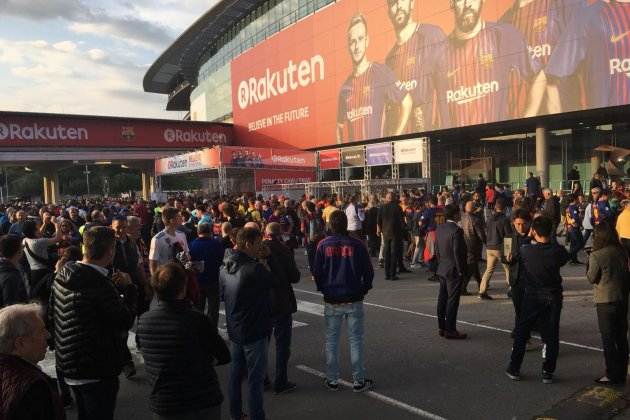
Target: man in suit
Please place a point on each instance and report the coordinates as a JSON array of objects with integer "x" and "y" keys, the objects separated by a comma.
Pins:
[
  {"x": 451, "y": 253},
  {"x": 390, "y": 226}
]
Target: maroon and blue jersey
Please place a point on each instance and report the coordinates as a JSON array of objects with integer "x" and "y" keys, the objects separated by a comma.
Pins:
[
  {"x": 542, "y": 23},
  {"x": 479, "y": 70},
  {"x": 418, "y": 65},
  {"x": 596, "y": 45},
  {"x": 362, "y": 102}
]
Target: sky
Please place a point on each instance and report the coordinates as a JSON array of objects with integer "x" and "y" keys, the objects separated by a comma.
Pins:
[{"x": 88, "y": 56}]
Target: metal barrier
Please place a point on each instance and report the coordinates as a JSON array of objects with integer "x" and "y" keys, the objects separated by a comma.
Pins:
[{"x": 342, "y": 188}]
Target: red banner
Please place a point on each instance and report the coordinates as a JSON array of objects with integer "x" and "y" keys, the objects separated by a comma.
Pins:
[
  {"x": 24, "y": 130},
  {"x": 278, "y": 177},
  {"x": 329, "y": 159},
  {"x": 202, "y": 160}
]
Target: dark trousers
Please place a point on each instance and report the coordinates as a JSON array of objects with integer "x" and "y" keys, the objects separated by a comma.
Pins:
[
  {"x": 626, "y": 244},
  {"x": 587, "y": 234},
  {"x": 392, "y": 247},
  {"x": 282, "y": 330},
  {"x": 209, "y": 295},
  {"x": 96, "y": 401},
  {"x": 472, "y": 271},
  {"x": 448, "y": 303},
  {"x": 374, "y": 244},
  {"x": 544, "y": 309},
  {"x": 518, "y": 295},
  {"x": 613, "y": 326},
  {"x": 576, "y": 243},
  {"x": 311, "y": 247}
]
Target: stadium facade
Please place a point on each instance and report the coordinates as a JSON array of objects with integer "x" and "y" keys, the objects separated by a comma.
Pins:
[{"x": 503, "y": 87}]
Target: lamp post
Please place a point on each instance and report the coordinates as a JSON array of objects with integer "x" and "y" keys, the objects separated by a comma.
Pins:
[{"x": 87, "y": 178}]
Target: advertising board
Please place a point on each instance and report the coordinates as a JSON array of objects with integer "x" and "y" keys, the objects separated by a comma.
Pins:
[{"x": 368, "y": 69}]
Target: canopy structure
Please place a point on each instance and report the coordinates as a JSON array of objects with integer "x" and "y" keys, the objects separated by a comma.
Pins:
[{"x": 230, "y": 168}]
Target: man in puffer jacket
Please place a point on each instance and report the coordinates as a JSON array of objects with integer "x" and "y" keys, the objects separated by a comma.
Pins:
[
  {"x": 91, "y": 314},
  {"x": 180, "y": 347}
]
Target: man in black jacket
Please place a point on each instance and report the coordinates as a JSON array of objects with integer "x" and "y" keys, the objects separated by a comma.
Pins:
[
  {"x": 91, "y": 314},
  {"x": 180, "y": 348},
  {"x": 498, "y": 227},
  {"x": 390, "y": 226},
  {"x": 551, "y": 209},
  {"x": 246, "y": 285},
  {"x": 475, "y": 237},
  {"x": 542, "y": 301},
  {"x": 283, "y": 304},
  {"x": 521, "y": 222},
  {"x": 451, "y": 255},
  {"x": 12, "y": 288}
]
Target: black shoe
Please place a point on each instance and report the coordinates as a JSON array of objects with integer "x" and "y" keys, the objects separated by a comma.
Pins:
[
  {"x": 129, "y": 370},
  {"x": 366, "y": 385},
  {"x": 485, "y": 296},
  {"x": 512, "y": 374},
  {"x": 288, "y": 387},
  {"x": 332, "y": 385},
  {"x": 547, "y": 378}
]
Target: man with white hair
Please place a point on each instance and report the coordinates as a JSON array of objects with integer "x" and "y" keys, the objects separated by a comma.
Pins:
[{"x": 25, "y": 391}]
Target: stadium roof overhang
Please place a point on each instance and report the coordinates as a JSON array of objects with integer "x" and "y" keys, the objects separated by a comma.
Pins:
[{"x": 177, "y": 65}]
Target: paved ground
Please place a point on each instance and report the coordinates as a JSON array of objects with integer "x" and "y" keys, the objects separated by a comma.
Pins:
[{"x": 419, "y": 375}]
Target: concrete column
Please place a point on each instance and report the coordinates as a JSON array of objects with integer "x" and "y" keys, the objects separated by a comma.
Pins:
[
  {"x": 542, "y": 156},
  {"x": 146, "y": 193},
  {"x": 54, "y": 188},
  {"x": 46, "y": 190}
]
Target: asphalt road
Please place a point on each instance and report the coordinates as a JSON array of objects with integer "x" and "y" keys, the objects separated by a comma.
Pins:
[{"x": 420, "y": 375}]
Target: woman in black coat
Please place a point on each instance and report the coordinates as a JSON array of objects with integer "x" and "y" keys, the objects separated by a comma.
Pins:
[{"x": 180, "y": 347}]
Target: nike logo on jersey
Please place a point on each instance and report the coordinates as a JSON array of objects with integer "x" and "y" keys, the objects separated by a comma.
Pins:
[
  {"x": 616, "y": 38},
  {"x": 452, "y": 73}
]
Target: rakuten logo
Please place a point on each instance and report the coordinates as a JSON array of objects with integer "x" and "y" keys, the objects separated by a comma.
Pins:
[
  {"x": 192, "y": 136},
  {"x": 465, "y": 94},
  {"x": 539, "y": 51},
  {"x": 291, "y": 78},
  {"x": 358, "y": 113},
  {"x": 178, "y": 164},
  {"x": 288, "y": 160},
  {"x": 618, "y": 65},
  {"x": 41, "y": 132}
]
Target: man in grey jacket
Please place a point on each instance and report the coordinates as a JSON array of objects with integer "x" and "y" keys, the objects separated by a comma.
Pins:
[
  {"x": 497, "y": 229},
  {"x": 475, "y": 237}
]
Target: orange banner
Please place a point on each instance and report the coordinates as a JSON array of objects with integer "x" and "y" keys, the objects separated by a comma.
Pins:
[{"x": 368, "y": 69}]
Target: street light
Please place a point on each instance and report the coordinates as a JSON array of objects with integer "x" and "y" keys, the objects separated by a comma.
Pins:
[{"x": 87, "y": 178}]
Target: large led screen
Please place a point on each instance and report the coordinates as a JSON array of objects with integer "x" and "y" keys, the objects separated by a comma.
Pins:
[{"x": 367, "y": 69}]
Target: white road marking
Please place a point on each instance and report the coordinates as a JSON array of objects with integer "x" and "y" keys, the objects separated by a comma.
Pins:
[
  {"x": 471, "y": 324},
  {"x": 310, "y": 308},
  {"x": 379, "y": 397},
  {"x": 296, "y": 324}
]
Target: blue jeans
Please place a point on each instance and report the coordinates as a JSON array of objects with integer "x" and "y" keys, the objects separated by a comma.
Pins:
[
  {"x": 334, "y": 315},
  {"x": 248, "y": 361}
]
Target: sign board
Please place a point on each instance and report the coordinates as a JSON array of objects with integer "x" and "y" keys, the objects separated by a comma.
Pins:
[
  {"x": 408, "y": 151},
  {"x": 329, "y": 159},
  {"x": 190, "y": 162},
  {"x": 277, "y": 177},
  {"x": 379, "y": 154},
  {"x": 352, "y": 157}
]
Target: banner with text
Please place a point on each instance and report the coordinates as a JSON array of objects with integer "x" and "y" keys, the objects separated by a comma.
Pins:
[
  {"x": 362, "y": 69},
  {"x": 48, "y": 130},
  {"x": 329, "y": 159},
  {"x": 379, "y": 154},
  {"x": 353, "y": 157},
  {"x": 278, "y": 177},
  {"x": 190, "y": 162},
  {"x": 408, "y": 151}
]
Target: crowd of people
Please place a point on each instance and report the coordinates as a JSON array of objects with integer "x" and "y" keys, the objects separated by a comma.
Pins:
[{"x": 78, "y": 277}]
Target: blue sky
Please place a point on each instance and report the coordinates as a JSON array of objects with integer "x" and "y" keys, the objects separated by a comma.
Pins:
[{"x": 87, "y": 56}]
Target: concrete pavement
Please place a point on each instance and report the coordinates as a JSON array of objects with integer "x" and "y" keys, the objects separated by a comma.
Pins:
[{"x": 420, "y": 375}]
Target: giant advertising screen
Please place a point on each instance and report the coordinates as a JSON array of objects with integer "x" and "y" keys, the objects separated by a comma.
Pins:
[{"x": 366, "y": 69}]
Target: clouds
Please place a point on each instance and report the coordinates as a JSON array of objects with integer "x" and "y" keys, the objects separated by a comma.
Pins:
[
  {"x": 118, "y": 20},
  {"x": 63, "y": 77},
  {"x": 87, "y": 56}
]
